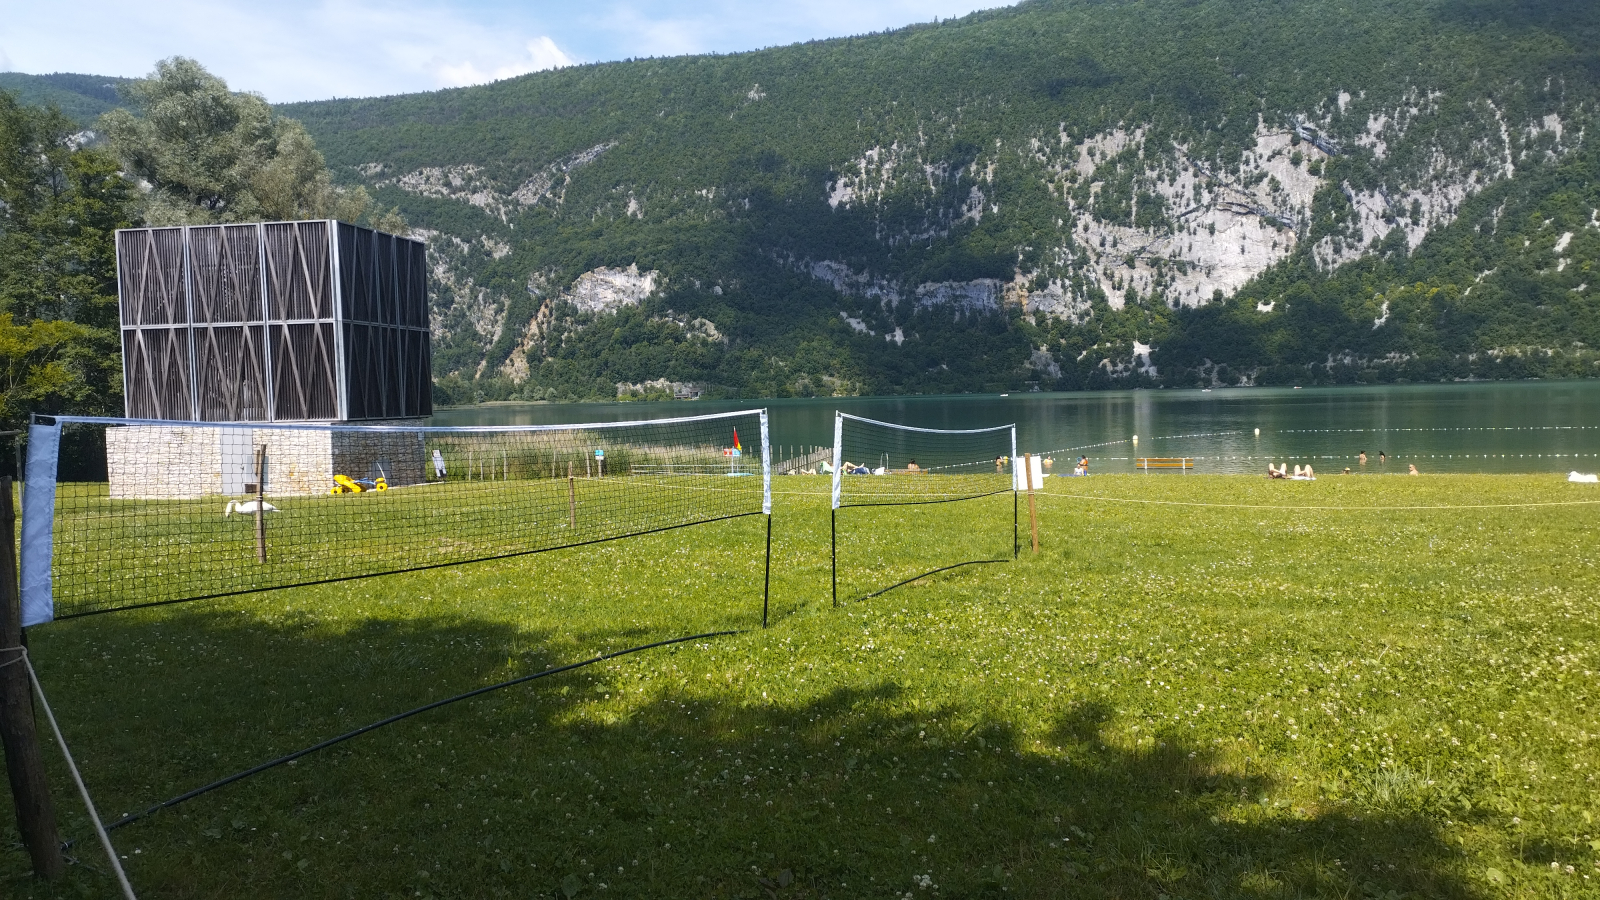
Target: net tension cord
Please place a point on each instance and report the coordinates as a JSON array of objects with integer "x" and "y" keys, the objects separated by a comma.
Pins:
[{"x": 323, "y": 745}]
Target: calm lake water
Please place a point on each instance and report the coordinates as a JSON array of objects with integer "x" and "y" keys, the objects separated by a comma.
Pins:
[{"x": 1538, "y": 426}]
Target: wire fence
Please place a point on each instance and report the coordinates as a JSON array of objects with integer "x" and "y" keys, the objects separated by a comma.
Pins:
[
  {"x": 883, "y": 464},
  {"x": 880, "y": 464},
  {"x": 195, "y": 510}
]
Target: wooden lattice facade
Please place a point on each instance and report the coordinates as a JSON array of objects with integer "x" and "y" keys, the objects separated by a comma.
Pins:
[{"x": 273, "y": 322}]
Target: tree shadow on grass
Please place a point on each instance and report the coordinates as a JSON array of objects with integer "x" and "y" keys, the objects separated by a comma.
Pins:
[{"x": 661, "y": 775}]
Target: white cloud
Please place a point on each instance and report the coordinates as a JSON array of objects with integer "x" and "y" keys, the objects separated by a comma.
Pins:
[
  {"x": 294, "y": 50},
  {"x": 312, "y": 49},
  {"x": 672, "y": 27},
  {"x": 542, "y": 54}
]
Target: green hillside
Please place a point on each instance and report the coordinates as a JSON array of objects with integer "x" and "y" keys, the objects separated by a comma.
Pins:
[
  {"x": 1062, "y": 194},
  {"x": 83, "y": 98}
]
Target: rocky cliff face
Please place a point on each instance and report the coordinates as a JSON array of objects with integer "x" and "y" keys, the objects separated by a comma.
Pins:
[{"x": 1091, "y": 175}]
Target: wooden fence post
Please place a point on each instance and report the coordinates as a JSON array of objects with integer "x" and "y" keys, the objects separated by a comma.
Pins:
[
  {"x": 572, "y": 498},
  {"x": 1033, "y": 514},
  {"x": 36, "y": 815},
  {"x": 261, "y": 503}
]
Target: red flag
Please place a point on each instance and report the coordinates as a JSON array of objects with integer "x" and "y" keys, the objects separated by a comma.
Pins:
[{"x": 736, "y": 441}]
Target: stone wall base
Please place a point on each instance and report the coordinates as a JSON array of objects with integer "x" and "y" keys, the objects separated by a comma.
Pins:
[{"x": 162, "y": 462}]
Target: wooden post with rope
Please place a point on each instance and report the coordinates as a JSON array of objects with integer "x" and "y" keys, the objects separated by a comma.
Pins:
[
  {"x": 1033, "y": 513},
  {"x": 261, "y": 504},
  {"x": 36, "y": 814}
]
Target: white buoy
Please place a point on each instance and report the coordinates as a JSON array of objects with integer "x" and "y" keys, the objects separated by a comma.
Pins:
[
  {"x": 1136, "y": 440},
  {"x": 1258, "y": 432}
]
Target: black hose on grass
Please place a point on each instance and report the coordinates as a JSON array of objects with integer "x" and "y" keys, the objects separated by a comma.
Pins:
[
  {"x": 970, "y": 562},
  {"x": 165, "y": 804}
]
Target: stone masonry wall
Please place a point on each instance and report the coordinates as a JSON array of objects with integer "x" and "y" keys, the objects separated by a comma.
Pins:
[{"x": 162, "y": 462}]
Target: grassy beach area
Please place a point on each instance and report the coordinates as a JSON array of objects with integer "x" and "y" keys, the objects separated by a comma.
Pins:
[{"x": 1201, "y": 686}]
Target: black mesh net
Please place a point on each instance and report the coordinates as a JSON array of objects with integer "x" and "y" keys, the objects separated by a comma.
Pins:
[
  {"x": 879, "y": 463},
  {"x": 909, "y": 502},
  {"x": 171, "y": 511}
]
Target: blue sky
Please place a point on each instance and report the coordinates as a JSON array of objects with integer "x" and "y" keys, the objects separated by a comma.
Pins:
[{"x": 314, "y": 49}]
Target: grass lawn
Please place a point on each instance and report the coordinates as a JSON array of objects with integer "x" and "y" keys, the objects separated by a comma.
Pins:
[{"x": 1242, "y": 689}]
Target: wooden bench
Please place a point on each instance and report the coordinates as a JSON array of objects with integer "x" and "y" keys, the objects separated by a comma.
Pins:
[{"x": 1145, "y": 464}]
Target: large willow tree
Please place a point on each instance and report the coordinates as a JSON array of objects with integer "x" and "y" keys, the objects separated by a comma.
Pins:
[{"x": 210, "y": 155}]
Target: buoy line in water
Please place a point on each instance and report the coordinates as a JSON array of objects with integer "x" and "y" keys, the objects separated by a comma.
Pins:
[
  {"x": 1092, "y": 498},
  {"x": 1392, "y": 457},
  {"x": 1440, "y": 428},
  {"x": 1206, "y": 434}
]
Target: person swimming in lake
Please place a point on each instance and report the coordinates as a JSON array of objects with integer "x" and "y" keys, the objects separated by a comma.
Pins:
[
  {"x": 913, "y": 467},
  {"x": 1382, "y": 457},
  {"x": 1413, "y": 467},
  {"x": 1363, "y": 457}
]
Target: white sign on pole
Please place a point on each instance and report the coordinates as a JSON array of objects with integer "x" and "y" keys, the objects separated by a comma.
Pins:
[{"x": 1019, "y": 470}]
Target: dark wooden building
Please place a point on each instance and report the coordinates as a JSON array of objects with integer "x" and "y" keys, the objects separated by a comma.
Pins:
[{"x": 273, "y": 322}]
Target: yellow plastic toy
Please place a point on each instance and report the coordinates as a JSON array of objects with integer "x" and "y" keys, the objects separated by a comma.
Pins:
[{"x": 344, "y": 484}]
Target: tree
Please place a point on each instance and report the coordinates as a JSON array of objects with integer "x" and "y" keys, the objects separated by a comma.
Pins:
[
  {"x": 213, "y": 155},
  {"x": 59, "y": 205}
]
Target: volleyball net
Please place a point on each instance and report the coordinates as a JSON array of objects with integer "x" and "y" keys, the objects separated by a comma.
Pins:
[
  {"x": 123, "y": 513},
  {"x": 883, "y": 464}
]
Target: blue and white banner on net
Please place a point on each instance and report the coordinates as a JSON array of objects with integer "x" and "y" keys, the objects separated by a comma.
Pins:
[
  {"x": 122, "y": 513},
  {"x": 38, "y": 519}
]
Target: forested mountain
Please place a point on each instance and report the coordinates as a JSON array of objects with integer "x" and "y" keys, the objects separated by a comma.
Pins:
[
  {"x": 81, "y": 98},
  {"x": 1065, "y": 193}
]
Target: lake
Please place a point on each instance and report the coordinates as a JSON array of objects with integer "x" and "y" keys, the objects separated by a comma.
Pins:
[{"x": 1533, "y": 426}]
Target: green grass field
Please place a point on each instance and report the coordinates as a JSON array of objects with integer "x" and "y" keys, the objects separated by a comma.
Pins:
[{"x": 1357, "y": 687}]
